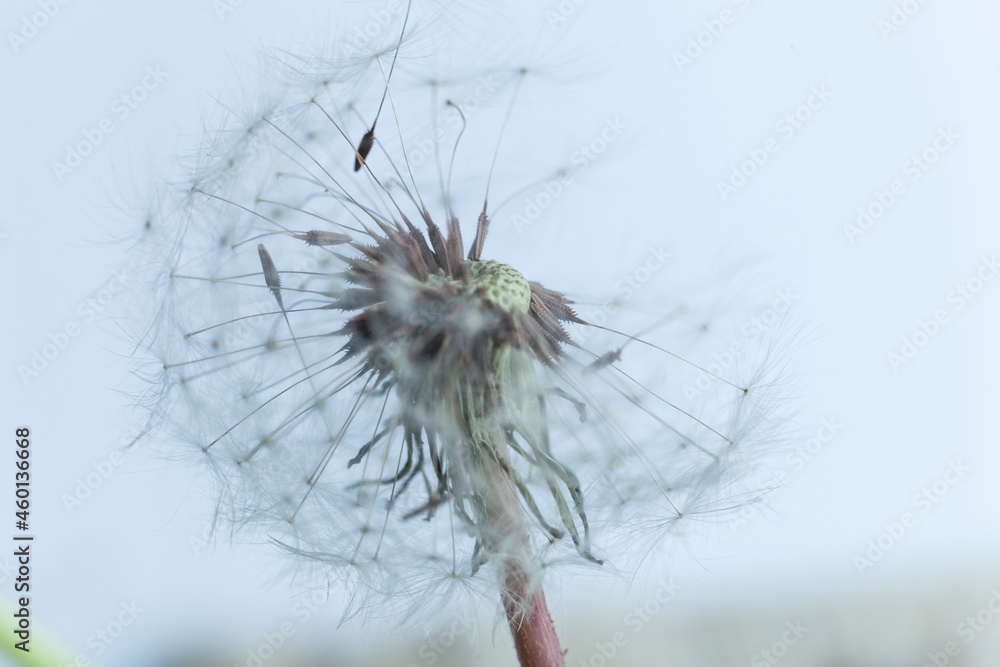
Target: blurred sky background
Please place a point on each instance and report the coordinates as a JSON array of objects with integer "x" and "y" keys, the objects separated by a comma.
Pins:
[{"x": 887, "y": 82}]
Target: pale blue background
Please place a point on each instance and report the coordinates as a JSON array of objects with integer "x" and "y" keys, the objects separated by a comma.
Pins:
[{"x": 687, "y": 129}]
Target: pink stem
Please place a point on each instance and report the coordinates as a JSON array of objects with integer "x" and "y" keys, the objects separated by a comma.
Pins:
[
  {"x": 523, "y": 598},
  {"x": 505, "y": 538},
  {"x": 530, "y": 624}
]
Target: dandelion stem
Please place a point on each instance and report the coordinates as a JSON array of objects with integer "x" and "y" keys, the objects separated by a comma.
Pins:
[
  {"x": 534, "y": 634},
  {"x": 527, "y": 613}
]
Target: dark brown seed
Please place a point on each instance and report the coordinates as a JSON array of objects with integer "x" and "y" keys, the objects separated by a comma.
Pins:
[
  {"x": 364, "y": 148},
  {"x": 270, "y": 273}
]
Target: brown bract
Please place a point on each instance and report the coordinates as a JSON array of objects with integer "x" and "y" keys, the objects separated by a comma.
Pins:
[{"x": 417, "y": 293}]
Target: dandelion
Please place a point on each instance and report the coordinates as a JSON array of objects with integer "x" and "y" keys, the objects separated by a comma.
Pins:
[{"x": 378, "y": 397}]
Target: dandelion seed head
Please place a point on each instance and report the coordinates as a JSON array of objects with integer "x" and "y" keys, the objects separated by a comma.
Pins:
[{"x": 364, "y": 384}]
